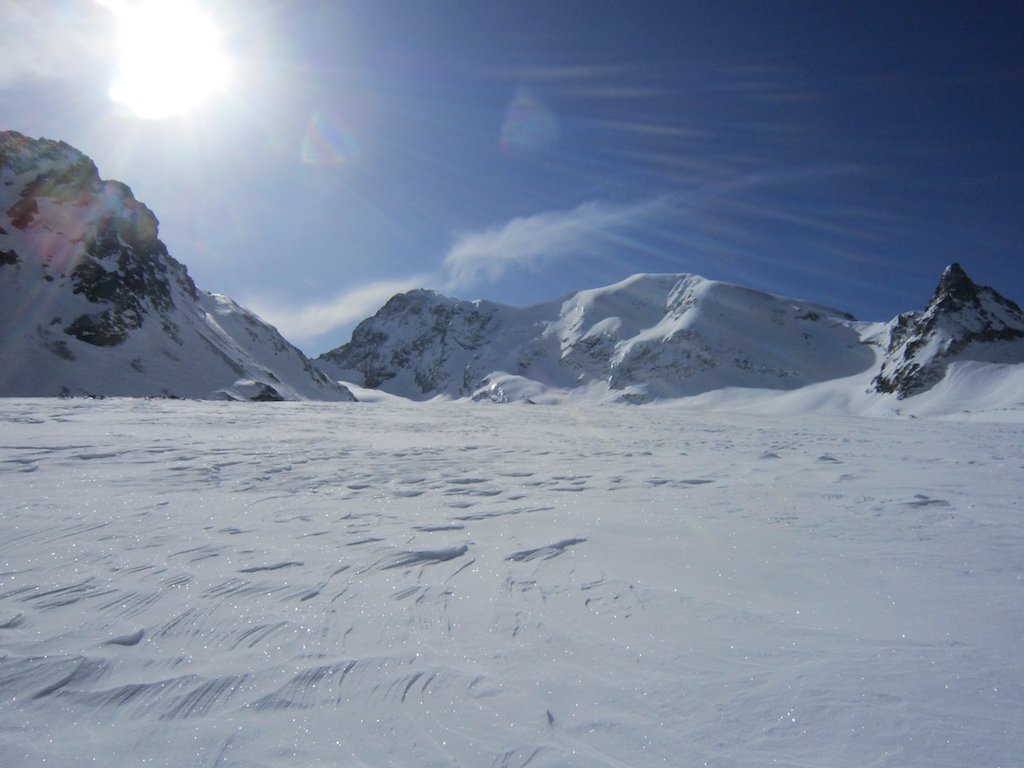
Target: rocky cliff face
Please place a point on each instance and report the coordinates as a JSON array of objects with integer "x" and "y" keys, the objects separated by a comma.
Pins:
[
  {"x": 91, "y": 302},
  {"x": 650, "y": 336},
  {"x": 963, "y": 321},
  {"x": 418, "y": 333}
]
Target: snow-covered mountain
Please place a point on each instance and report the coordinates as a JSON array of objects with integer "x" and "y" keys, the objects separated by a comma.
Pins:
[
  {"x": 668, "y": 336},
  {"x": 962, "y": 322},
  {"x": 650, "y": 336},
  {"x": 91, "y": 302}
]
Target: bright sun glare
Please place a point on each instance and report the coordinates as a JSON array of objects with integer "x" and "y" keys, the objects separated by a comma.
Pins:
[{"x": 170, "y": 58}]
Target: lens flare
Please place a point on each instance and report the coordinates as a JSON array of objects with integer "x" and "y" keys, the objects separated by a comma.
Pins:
[
  {"x": 529, "y": 125},
  {"x": 327, "y": 141}
]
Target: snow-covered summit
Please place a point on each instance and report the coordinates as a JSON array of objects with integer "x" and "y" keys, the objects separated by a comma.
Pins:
[
  {"x": 92, "y": 303},
  {"x": 649, "y": 336},
  {"x": 659, "y": 337},
  {"x": 963, "y": 321}
]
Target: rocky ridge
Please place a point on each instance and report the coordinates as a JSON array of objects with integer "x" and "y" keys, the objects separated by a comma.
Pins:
[
  {"x": 664, "y": 336},
  {"x": 962, "y": 321},
  {"x": 647, "y": 337},
  {"x": 92, "y": 303}
]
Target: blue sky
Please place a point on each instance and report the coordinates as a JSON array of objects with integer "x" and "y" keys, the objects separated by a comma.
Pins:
[{"x": 843, "y": 153}]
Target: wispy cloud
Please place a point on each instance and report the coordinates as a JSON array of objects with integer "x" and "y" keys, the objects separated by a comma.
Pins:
[
  {"x": 47, "y": 41},
  {"x": 575, "y": 72},
  {"x": 531, "y": 241},
  {"x": 475, "y": 259},
  {"x": 482, "y": 258},
  {"x": 320, "y": 317}
]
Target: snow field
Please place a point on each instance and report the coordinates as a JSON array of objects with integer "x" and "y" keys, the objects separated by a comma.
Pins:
[{"x": 439, "y": 584}]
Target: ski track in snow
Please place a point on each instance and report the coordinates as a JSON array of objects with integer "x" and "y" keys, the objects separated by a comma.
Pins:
[{"x": 299, "y": 584}]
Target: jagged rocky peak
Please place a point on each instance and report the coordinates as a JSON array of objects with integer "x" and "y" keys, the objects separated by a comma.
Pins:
[
  {"x": 92, "y": 302},
  {"x": 955, "y": 286},
  {"x": 99, "y": 238},
  {"x": 962, "y": 321},
  {"x": 21, "y": 154},
  {"x": 956, "y": 292}
]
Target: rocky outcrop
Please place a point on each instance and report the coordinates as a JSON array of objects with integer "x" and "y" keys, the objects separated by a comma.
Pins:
[
  {"x": 92, "y": 303},
  {"x": 419, "y": 332},
  {"x": 963, "y": 321}
]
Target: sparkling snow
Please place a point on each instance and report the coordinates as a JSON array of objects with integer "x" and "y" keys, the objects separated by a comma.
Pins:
[{"x": 442, "y": 584}]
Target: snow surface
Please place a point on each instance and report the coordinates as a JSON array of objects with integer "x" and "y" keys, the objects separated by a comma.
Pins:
[{"x": 450, "y": 584}]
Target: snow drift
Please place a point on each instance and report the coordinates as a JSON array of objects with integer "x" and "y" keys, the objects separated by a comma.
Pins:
[{"x": 231, "y": 586}]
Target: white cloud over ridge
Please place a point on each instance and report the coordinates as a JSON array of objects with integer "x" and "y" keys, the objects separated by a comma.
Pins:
[
  {"x": 475, "y": 259},
  {"x": 530, "y": 241},
  {"x": 318, "y": 317}
]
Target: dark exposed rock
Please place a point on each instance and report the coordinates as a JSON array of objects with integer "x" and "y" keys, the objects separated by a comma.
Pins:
[
  {"x": 75, "y": 184},
  {"x": 98, "y": 277},
  {"x": 125, "y": 268},
  {"x": 104, "y": 329},
  {"x": 433, "y": 323},
  {"x": 267, "y": 394},
  {"x": 960, "y": 319},
  {"x": 59, "y": 347},
  {"x": 20, "y": 154},
  {"x": 139, "y": 281}
]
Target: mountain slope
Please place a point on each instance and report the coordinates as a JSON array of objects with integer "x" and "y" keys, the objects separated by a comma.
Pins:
[
  {"x": 962, "y": 322},
  {"x": 91, "y": 302},
  {"x": 650, "y": 336}
]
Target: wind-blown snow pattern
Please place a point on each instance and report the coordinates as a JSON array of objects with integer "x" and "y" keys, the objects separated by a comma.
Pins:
[
  {"x": 442, "y": 584},
  {"x": 91, "y": 302},
  {"x": 647, "y": 337}
]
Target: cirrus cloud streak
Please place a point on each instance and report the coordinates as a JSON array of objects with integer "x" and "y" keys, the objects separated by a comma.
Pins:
[
  {"x": 532, "y": 241},
  {"x": 475, "y": 259}
]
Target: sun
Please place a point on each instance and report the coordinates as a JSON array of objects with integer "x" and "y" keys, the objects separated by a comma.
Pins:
[{"x": 170, "y": 57}]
